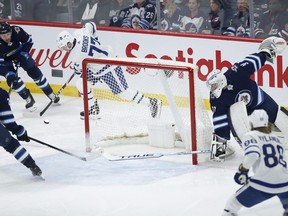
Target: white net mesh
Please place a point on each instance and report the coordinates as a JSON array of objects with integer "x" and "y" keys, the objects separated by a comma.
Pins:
[{"x": 126, "y": 114}]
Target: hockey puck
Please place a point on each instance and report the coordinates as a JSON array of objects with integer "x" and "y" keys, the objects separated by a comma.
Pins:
[{"x": 46, "y": 121}]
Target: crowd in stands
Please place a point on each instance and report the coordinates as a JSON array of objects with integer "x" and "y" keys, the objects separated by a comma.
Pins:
[{"x": 219, "y": 17}]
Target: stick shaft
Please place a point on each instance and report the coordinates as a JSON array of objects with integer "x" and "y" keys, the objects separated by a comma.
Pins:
[
  {"x": 58, "y": 149},
  {"x": 58, "y": 93}
]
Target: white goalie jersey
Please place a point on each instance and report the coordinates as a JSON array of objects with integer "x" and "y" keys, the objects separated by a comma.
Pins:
[{"x": 88, "y": 46}]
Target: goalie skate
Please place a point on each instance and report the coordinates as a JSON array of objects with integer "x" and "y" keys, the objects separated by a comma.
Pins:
[{"x": 220, "y": 149}]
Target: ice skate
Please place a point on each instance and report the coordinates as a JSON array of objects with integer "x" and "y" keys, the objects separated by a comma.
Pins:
[
  {"x": 54, "y": 98},
  {"x": 36, "y": 171},
  {"x": 30, "y": 102},
  {"x": 94, "y": 112},
  {"x": 155, "y": 107}
]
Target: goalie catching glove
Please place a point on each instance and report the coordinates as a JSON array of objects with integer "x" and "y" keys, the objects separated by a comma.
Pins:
[
  {"x": 272, "y": 46},
  {"x": 241, "y": 176}
]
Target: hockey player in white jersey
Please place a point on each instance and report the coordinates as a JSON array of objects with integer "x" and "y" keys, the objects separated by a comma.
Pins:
[
  {"x": 85, "y": 44},
  {"x": 265, "y": 154}
]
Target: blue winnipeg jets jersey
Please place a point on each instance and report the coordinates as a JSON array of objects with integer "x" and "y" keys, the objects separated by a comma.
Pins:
[
  {"x": 19, "y": 38},
  {"x": 240, "y": 88},
  {"x": 6, "y": 115}
]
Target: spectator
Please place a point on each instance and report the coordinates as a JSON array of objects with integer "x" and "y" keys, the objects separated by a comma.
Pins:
[
  {"x": 240, "y": 23},
  {"x": 193, "y": 19},
  {"x": 117, "y": 11},
  {"x": 273, "y": 22},
  {"x": 214, "y": 22},
  {"x": 36, "y": 10},
  {"x": 102, "y": 14},
  {"x": 140, "y": 15},
  {"x": 171, "y": 16},
  {"x": 117, "y": 5}
]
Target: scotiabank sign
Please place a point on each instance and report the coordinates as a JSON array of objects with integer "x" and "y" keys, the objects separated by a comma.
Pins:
[
  {"x": 278, "y": 76},
  {"x": 207, "y": 53}
]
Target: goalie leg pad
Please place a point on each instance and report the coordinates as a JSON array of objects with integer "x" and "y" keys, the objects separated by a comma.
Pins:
[{"x": 238, "y": 120}]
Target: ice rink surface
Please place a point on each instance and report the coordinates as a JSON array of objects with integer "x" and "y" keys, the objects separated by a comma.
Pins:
[{"x": 167, "y": 186}]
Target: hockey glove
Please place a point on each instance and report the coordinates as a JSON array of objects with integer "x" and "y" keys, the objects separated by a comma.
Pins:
[
  {"x": 241, "y": 176},
  {"x": 21, "y": 133},
  {"x": 12, "y": 78}
]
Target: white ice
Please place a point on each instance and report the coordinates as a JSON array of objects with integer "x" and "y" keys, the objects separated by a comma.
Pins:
[{"x": 167, "y": 186}]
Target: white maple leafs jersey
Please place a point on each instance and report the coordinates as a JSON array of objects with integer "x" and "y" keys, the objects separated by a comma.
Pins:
[
  {"x": 88, "y": 46},
  {"x": 266, "y": 154}
]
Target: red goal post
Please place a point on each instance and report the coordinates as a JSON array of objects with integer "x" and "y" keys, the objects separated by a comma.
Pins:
[{"x": 158, "y": 64}]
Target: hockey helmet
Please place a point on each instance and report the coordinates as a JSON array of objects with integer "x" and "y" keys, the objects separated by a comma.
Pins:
[
  {"x": 5, "y": 27},
  {"x": 63, "y": 39},
  {"x": 216, "y": 81},
  {"x": 259, "y": 118}
]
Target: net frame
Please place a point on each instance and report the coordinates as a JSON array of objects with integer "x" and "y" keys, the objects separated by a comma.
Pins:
[{"x": 144, "y": 63}]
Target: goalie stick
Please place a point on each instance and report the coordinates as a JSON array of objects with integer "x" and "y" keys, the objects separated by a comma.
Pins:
[
  {"x": 151, "y": 155},
  {"x": 88, "y": 158},
  {"x": 58, "y": 93}
]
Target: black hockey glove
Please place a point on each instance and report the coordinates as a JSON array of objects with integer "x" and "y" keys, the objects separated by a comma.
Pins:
[
  {"x": 21, "y": 133},
  {"x": 241, "y": 176}
]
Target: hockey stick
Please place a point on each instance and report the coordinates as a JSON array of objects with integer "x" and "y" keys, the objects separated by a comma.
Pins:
[
  {"x": 88, "y": 158},
  {"x": 12, "y": 52},
  {"x": 151, "y": 155},
  {"x": 58, "y": 93},
  {"x": 16, "y": 77}
]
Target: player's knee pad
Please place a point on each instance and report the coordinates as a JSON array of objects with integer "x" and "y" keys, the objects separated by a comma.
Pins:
[
  {"x": 5, "y": 136},
  {"x": 238, "y": 120},
  {"x": 281, "y": 122},
  {"x": 27, "y": 63}
]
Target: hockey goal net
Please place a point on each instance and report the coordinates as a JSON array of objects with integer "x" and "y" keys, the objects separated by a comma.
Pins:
[{"x": 174, "y": 83}]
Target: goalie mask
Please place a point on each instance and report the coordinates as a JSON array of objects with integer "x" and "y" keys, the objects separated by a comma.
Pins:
[
  {"x": 259, "y": 118},
  {"x": 216, "y": 81},
  {"x": 65, "y": 41}
]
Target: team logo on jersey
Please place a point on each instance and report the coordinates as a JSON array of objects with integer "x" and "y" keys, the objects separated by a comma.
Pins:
[
  {"x": 17, "y": 29},
  {"x": 245, "y": 96}
]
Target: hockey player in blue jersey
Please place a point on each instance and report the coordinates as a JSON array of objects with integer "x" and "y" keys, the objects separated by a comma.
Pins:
[
  {"x": 8, "y": 142},
  {"x": 85, "y": 44},
  {"x": 234, "y": 85},
  {"x": 265, "y": 154},
  {"x": 15, "y": 44}
]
